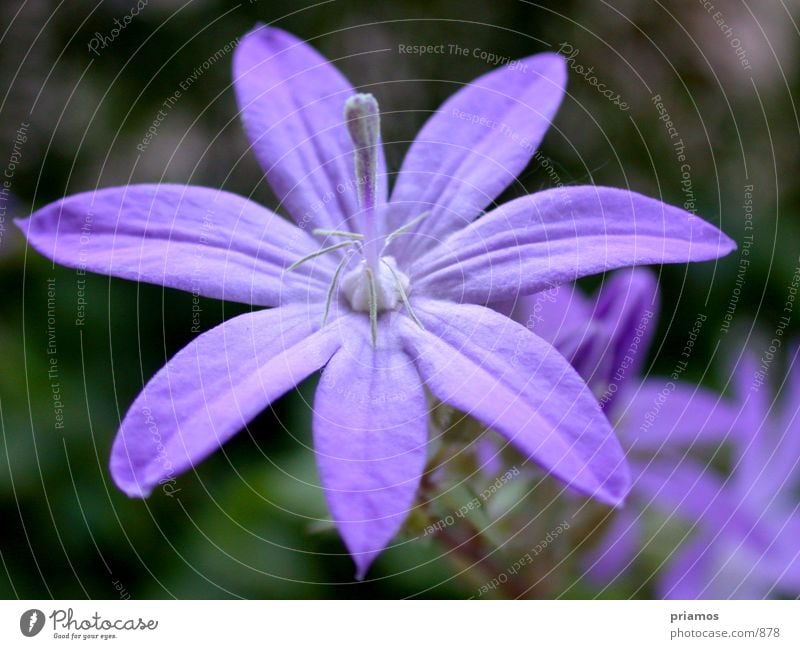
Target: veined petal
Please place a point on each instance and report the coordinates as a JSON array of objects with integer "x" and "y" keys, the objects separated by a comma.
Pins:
[
  {"x": 474, "y": 146},
  {"x": 370, "y": 438},
  {"x": 212, "y": 388},
  {"x": 207, "y": 241},
  {"x": 497, "y": 371},
  {"x": 557, "y": 236},
  {"x": 292, "y": 103}
]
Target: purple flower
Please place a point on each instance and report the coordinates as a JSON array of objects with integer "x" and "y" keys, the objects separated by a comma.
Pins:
[
  {"x": 657, "y": 420},
  {"x": 744, "y": 525},
  {"x": 605, "y": 339},
  {"x": 385, "y": 291},
  {"x": 747, "y": 521}
]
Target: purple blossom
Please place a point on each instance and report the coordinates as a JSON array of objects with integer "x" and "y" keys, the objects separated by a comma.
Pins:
[
  {"x": 385, "y": 291},
  {"x": 746, "y": 539},
  {"x": 605, "y": 339},
  {"x": 657, "y": 420},
  {"x": 744, "y": 524}
]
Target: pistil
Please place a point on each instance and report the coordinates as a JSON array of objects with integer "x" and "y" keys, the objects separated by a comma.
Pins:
[{"x": 362, "y": 115}]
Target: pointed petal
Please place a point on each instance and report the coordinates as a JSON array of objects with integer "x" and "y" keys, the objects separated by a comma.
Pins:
[
  {"x": 292, "y": 103},
  {"x": 557, "y": 236},
  {"x": 494, "y": 369},
  {"x": 475, "y": 145},
  {"x": 370, "y": 438},
  {"x": 212, "y": 388},
  {"x": 207, "y": 241}
]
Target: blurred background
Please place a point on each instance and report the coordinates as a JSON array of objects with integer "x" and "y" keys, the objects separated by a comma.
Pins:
[{"x": 250, "y": 522}]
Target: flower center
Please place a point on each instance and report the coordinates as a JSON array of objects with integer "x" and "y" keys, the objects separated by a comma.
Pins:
[
  {"x": 376, "y": 284},
  {"x": 381, "y": 289}
]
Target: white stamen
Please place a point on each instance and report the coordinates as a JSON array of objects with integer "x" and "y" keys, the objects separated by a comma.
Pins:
[
  {"x": 400, "y": 285},
  {"x": 316, "y": 254},
  {"x": 373, "y": 305},
  {"x": 332, "y": 287},
  {"x": 405, "y": 228},
  {"x": 338, "y": 233}
]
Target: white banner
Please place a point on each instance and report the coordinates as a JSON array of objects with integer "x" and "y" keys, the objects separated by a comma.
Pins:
[{"x": 386, "y": 624}]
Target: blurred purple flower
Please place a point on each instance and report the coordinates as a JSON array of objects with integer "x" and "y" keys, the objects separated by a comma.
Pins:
[
  {"x": 746, "y": 541},
  {"x": 745, "y": 526},
  {"x": 384, "y": 292}
]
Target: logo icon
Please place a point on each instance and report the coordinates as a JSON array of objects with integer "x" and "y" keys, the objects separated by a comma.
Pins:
[{"x": 31, "y": 622}]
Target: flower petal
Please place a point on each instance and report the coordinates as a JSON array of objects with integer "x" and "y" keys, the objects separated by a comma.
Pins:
[
  {"x": 661, "y": 415},
  {"x": 686, "y": 574},
  {"x": 626, "y": 311},
  {"x": 559, "y": 315},
  {"x": 605, "y": 340},
  {"x": 292, "y": 103},
  {"x": 700, "y": 495},
  {"x": 212, "y": 388},
  {"x": 784, "y": 463},
  {"x": 617, "y": 550},
  {"x": 557, "y": 236},
  {"x": 494, "y": 369},
  {"x": 207, "y": 241},
  {"x": 474, "y": 147},
  {"x": 370, "y": 438},
  {"x": 767, "y": 447}
]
